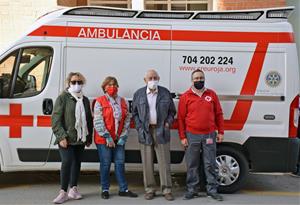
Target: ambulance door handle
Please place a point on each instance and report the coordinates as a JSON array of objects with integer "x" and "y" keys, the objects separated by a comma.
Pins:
[{"x": 47, "y": 106}]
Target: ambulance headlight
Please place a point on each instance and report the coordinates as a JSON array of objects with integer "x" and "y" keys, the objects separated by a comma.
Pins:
[{"x": 282, "y": 13}]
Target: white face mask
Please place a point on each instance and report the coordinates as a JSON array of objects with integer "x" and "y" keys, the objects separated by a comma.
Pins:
[
  {"x": 75, "y": 88},
  {"x": 152, "y": 85}
]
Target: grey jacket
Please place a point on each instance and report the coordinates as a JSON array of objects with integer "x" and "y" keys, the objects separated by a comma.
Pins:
[{"x": 165, "y": 113}]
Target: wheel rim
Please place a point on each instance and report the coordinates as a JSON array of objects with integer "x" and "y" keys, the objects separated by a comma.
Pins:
[{"x": 228, "y": 169}]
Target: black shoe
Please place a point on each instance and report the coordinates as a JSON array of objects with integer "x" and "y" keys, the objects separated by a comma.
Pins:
[
  {"x": 189, "y": 195},
  {"x": 128, "y": 194},
  {"x": 105, "y": 195},
  {"x": 215, "y": 196},
  {"x": 296, "y": 173}
]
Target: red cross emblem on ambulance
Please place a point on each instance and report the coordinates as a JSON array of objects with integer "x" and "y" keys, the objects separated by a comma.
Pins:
[{"x": 15, "y": 120}]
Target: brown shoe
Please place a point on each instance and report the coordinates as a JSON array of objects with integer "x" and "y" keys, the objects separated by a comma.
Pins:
[
  {"x": 169, "y": 197},
  {"x": 149, "y": 196}
]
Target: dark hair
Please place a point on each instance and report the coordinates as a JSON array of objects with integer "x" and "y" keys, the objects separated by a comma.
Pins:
[
  {"x": 195, "y": 71},
  {"x": 107, "y": 80}
]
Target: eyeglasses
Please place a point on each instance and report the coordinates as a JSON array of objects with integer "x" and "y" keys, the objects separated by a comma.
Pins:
[{"x": 79, "y": 82}]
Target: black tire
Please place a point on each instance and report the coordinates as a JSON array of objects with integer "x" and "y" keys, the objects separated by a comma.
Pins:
[{"x": 242, "y": 162}]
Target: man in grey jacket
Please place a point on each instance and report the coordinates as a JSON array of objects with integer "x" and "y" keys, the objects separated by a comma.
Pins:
[{"x": 153, "y": 113}]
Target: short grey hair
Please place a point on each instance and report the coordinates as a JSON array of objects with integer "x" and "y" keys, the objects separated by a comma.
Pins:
[{"x": 151, "y": 70}]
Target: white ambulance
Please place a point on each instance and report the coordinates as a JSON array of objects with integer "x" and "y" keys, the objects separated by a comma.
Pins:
[{"x": 249, "y": 58}]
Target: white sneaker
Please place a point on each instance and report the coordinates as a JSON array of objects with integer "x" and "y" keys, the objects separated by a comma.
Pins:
[
  {"x": 61, "y": 198},
  {"x": 74, "y": 194}
]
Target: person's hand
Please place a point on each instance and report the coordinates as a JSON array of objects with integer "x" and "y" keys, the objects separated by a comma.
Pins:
[
  {"x": 184, "y": 142},
  {"x": 63, "y": 143},
  {"x": 110, "y": 143},
  {"x": 87, "y": 144},
  {"x": 220, "y": 138},
  {"x": 167, "y": 125},
  {"x": 121, "y": 141}
]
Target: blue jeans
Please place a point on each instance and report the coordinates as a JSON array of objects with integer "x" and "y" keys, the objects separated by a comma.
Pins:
[{"x": 107, "y": 156}]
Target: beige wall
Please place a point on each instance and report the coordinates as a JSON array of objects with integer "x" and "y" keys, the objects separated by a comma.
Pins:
[{"x": 16, "y": 16}]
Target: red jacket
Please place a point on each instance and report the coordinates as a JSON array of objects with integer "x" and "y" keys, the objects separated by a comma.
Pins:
[
  {"x": 109, "y": 120},
  {"x": 200, "y": 115}
]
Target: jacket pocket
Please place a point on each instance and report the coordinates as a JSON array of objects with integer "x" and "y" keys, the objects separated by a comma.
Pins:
[
  {"x": 141, "y": 136},
  {"x": 72, "y": 135},
  {"x": 142, "y": 109},
  {"x": 167, "y": 134},
  {"x": 163, "y": 108}
]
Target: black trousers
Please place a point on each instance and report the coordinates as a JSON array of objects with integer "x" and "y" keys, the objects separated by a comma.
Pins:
[{"x": 70, "y": 166}]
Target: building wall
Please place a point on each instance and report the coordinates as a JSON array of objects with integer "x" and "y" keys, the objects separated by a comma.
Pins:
[
  {"x": 248, "y": 4},
  {"x": 72, "y": 3},
  {"x": 17, "y": 15}
]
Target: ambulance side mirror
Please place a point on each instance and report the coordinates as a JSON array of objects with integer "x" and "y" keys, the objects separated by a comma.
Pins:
[
  {"x": 31, "y": 82},
  {"x": 47, "y": 106}
]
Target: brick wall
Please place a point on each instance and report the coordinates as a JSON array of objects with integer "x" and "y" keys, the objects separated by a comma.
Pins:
[
  {"x": 72, "y": 2},
  {"x": 16, "y": 16},
  {"x": 248, "y": 4}
]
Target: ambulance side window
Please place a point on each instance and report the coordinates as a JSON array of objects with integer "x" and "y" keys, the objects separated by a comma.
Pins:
[
  {"x": 33, "y": 71},
  {"x": 25, "y": 72},
  {"x": 6, "y": 74}
]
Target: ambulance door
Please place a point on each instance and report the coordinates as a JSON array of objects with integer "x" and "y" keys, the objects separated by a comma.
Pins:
[
  {"x": 125, "y": 51},
  {"x": 29, "y": 84}
]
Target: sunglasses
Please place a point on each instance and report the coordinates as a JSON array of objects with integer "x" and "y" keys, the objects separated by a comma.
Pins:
[{"x": 79, "y": 82}]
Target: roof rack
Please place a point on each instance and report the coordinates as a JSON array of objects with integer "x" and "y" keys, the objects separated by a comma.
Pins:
[
  {"x": 278, "y": 13},
  {"x": 234, "y": 15},
  {"x": 101, "y": 11},
  {"x": 165, "y": 15}
]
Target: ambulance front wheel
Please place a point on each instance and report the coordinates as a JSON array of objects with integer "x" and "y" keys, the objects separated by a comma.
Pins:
[{"x": 233, "y": 169}]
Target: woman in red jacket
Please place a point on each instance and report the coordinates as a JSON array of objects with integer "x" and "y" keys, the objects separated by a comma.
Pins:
[{"x": 111, "y": 120}]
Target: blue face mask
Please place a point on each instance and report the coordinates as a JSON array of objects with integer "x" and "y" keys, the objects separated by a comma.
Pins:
[{"x": 199, "y": 84}]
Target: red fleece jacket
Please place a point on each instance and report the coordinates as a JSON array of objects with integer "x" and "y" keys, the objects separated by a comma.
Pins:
[{"x": 199, "y": 115}]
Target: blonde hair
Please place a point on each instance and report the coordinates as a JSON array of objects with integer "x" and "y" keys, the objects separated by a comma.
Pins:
[
  {"x": 71, "y": 74},
  {"x": 107, "y": 80}
]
